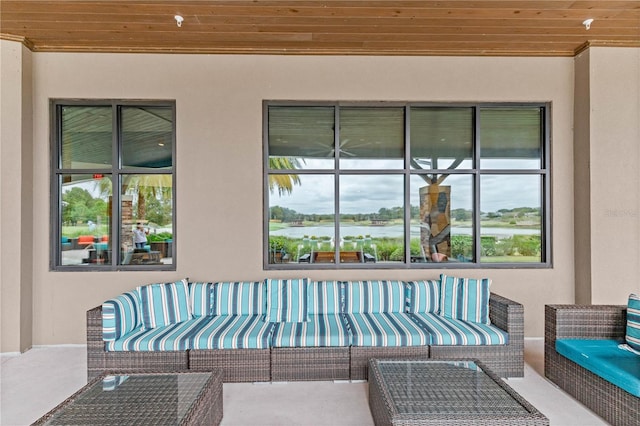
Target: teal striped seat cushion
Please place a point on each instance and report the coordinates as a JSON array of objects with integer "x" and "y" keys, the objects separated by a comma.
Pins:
[
  {"x": 202, "y": 298},
  {"x": 374, "y": 297},
  {"x": 423, "y": 296},
  {"x": 465, "y": 298},
  {"x": 449, "y": 331},
  {"x": 604, "y": 358},
  {"x": 325, "y": 297},
  {"x": 287, "y": 300},
  {"x": 240, "y": 298},
  {"x": 632, "y": 335},
  {"x": 174, "y": 337},
  {"x": 164, "y": 304},
  {"x": 385, "y": 329},
  {"x": 233, "y": 332},
  {"x": 120, "y": 316},
  {"x": 320, "y": 330}
]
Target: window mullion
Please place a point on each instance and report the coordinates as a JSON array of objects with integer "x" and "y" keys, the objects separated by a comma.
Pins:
[{"x": 477, "y": 137}]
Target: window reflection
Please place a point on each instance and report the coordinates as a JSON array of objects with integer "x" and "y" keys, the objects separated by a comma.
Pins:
[
  {"x": 301, "y": 137},
  {"x": 511, "y": 223},
  {"x": 301, "y": 219},
  {"x": 371, "y": 138},
  {"x": 146, "y": 232},
  {"x": 86, "y": 220},
  {"x": 442, "y": 218},
  {"x": 511, "y": 138},
  {"x": 86, "y": 137}
]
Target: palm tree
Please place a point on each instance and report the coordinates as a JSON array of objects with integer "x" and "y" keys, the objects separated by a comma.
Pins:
[{"x": 284, "y": 183}]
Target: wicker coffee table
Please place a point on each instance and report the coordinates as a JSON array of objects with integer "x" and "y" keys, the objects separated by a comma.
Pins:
[
  {"x": 149, "y": 398},
  {"x": 430, "y": 392}
]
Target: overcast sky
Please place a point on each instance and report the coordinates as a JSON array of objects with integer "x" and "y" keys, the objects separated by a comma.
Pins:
[{"x": 367, "y": 194}]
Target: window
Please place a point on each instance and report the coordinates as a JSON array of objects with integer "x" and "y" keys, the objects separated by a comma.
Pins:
[
  {"x": 113, "y": 175},
  {"x": 390, "y": 185}
]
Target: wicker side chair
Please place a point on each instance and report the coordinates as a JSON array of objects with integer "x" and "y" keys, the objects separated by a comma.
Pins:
[{"x": 607, "y": 400}]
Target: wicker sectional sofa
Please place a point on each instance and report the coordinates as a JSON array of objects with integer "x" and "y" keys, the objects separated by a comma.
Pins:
[
  {"x": 605, "y": 325},
  {"x": 287, "y": 330}
]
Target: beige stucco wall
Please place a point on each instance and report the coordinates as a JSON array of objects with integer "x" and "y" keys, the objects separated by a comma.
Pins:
[
  {"x": 609, "y": 131},
  {"x": 16, "y": 201},
  {"x": 219, "y": 159}
]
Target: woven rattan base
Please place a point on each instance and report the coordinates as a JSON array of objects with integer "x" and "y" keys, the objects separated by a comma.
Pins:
[
  {"x": 143, "y": 398},
  {"x": 324, "y": 363},
  {"x": 430, "y": 392},
  {"x": 360, "y": 357},
  {"x": 237, "y": 365}
]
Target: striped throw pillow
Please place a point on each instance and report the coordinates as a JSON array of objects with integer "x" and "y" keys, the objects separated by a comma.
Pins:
[
  {"x": 164, "y": 304},
  {"x": 374, "y": 297},
  {"x": 120, "y": 315},
  {"x": 423, "y": 296},
  {"x": 287, "y": 300},
  {"x": 465, "y": 299},
  {"x": 239, "y": 298},
  {"x": 633, "y": 322},
  {"x": 202, "y": 299}
]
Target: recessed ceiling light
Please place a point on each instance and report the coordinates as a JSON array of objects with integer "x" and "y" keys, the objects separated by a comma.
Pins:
[{"x": 587, "y": 23}]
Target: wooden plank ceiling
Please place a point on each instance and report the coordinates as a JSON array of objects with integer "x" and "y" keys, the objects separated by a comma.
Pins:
[{"x": 474, "y": 27}]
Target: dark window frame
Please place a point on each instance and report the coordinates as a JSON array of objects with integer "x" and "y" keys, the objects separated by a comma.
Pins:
[
  {"x": 116, "y": 171},
  {"x": 477, "y": 172}
]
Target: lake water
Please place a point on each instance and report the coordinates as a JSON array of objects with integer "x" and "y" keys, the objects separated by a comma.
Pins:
[{"x": 396, "y": 231}]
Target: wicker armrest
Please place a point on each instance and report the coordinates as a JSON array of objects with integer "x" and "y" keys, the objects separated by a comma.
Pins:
[
  {"x": 94, "y": 329},
  {"x": 508, "y": 316},
  {"x": 584, "y": 322}
]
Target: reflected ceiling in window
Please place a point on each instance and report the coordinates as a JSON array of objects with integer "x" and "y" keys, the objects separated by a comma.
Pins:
[{"x": 87, "y": 137}]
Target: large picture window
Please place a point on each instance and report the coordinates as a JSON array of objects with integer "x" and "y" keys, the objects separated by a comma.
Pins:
[
  {"x": 112, "y": 185},
  {"x": 391, "y": 185}
]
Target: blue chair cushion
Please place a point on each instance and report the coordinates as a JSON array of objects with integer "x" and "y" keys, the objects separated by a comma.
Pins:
[
  {"x": 287, "y": 300},
  {"x": 385, "y": 329},
  {"x": 202, "y": 299},
  {"x": 320, "y": 330},
  {"x": 120, "y": 316},
  {"x": 174, "y": 337},
  {"x": 233, "y": 332},
  {"x": 164, "y": 304},
  {"x": 632, "y": 336},
  {"x": 325, "y": 297},
  {"x": 605, "y": 359},
  {"x": 465, "y": 299},
  {"x": 449, "y": 331},
  {"x": 374, "y": 297},
  {"x": 423, "y": 296},
  {"x": 240, "y": 298}
]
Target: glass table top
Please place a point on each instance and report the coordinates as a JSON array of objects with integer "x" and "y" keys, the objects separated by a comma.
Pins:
[
  {"x": 447, "y": 387},
  {"x": 158, "y": 399}
]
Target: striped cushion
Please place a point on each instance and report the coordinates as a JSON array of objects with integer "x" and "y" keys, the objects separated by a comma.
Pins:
[
  {"x": 320, "y": 330},
  {"x": 325, "y": 297},
  {"x": 120, "y": 316},
  {"x": 240, "y": 298},
  {"x": 201, "y": 298},
  {"x": 423, "y": 296},
  {"x": 633, "y": 322},
  {"x": 233, "y": 332},
  {"x": 448, "y": 331},
  {"x": 465, "y": 299},
  {"x": 174, "y": 337},
  {"x": 164, "y": 304},
  {"x": 385, "y": 329},
  {"x": 374, "y": 297},
  {"x": 287, "y": 300}
]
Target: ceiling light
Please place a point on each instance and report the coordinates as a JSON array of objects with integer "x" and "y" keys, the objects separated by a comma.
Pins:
[
  {"x": 587, "y": 23},
  {"x": 179, "y": 19}
]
